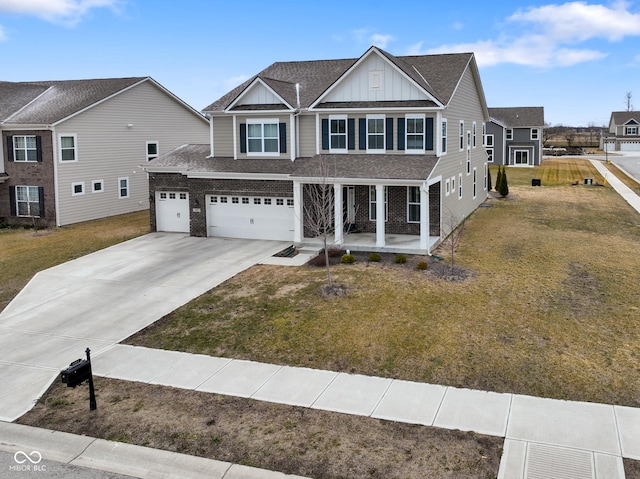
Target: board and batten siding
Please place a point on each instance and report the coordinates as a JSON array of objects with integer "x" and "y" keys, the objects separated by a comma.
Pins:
[
  {"x": 108, "y": 149},
  {"x": 465, "y": 105}
]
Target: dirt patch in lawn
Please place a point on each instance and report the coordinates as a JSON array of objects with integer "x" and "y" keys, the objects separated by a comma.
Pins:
[{"x": 288, "y": 439}]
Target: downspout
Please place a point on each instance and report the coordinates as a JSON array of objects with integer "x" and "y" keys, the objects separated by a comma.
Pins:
[{"x": 56, "y": 199}]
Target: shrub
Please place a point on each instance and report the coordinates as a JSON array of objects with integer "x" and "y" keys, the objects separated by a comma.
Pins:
[
  {"x": 375, "y": 257},
  {"x": 422, "y": 265},
  {"x": 401, "y": 259},
  {"x": 348, "y": 258}
]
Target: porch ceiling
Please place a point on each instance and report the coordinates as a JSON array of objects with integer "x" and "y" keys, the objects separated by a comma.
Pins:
[{"x": 354, "y": 166}]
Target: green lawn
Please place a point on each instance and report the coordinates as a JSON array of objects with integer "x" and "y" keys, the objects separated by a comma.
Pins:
[
  {"x": 24, "y": 252},
  {"x": 551, "y": 308}
]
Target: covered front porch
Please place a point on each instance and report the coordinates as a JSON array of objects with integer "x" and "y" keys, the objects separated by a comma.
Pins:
[{"x": 394, "y": 243}]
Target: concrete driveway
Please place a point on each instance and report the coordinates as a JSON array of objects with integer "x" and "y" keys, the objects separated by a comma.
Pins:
[{"x": 102, "y": 298}]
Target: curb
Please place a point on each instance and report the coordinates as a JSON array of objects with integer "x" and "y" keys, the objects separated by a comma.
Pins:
[{"x": 121, "y": 458}]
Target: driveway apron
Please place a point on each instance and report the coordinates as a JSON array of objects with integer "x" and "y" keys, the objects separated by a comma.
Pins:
[{"x": 102, "y": 298}]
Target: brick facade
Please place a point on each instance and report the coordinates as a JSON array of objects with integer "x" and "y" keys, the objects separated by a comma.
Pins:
[{"x": 22, "y": 173}]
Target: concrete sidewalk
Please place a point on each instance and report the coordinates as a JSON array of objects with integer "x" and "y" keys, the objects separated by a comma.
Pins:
[
  {"x": 543, "y": 437},
  {"x": 102, "y": 298},
  {"x": 623, "y": 190},
  {"x": 115, "y": 457}
]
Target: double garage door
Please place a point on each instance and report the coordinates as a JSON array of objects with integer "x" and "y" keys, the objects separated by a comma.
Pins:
[
  {"x": 630, "y": 146},
  {"x": 252, "y": 217}
]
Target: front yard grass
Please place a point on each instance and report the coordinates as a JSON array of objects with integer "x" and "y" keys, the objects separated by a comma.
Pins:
[
  {"x": 24, "y": 252},
  {"x": 550, "y": 310}
]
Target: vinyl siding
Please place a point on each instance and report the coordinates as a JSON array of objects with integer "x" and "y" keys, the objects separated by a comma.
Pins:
[
  {"x": 223, "y": 136},
  {"x": 465, "y": 105},
  {"x": 307, "y": 132},
  {"x": 107, "y": 150}
]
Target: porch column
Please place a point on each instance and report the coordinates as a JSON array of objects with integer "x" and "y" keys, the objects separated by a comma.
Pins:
[
  {"x": 424, "y": 217},
  {"x": 380, "y": 210},
  {"x": 298, "y": 224},
  {"x": 337, "y": 213}
]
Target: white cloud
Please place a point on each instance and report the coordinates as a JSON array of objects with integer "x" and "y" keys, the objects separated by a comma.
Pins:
[
  {"x": 548, "y": 35},
  {"x": 380, "y": 40},
  {"x": 68, "y": 12}
]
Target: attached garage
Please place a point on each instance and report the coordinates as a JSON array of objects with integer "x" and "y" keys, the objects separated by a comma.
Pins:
[
  {"x": 251, "y": 217},
  {"x": 172, "y": 211},
  {"x": 630, "y": 146}
]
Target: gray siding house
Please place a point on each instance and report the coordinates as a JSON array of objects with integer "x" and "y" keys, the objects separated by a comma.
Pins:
[
  {"x": 71, "y": 150},
  {"x": 399, "y": 139},
  {"x": 514, "y": 136},
  {"x": 624, "y": 132}
]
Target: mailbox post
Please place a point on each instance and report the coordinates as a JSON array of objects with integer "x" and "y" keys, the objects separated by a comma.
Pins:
[{"x": 78, "y": 372}]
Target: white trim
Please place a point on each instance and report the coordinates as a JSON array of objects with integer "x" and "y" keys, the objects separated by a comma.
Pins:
[
  {"x": 474, "y": 133},
  {"x": 56, "y": 177},
  {"x": 415, "y": 116},
  {"x": 447, "y": 187},
  {"x": 475, "y": 182},
  {"x": 318, "y": 133},
  {"x": 293, "y": 135},
  {"x": 25, "y": 149},
  {"x": 235, "y": 137},
  {"x": 460, "y": 189},
  {"x": 537, "y": 130},
  {"x": 353, "y": 67},
  {"x": 120, "y": 196},
  {"x": 444, "y": 139},
  {"x": 346, "y": 133},
  {"x": 211, "y": 139},
  {"x": 73, "y": 188},
  {"x": 249, "y": 87},
  {"x": 508, "y": 134},
  {"x": 97, "y": 182},
  {"x": 262, "y": 122},
  {"x": 337, "y": 213},
  {"x": 15, "y": 189},
  {"x": 152, "y": 142},
  {"x": 75, "y": 146},
  {"x": 384, "y": 133},
  {"x": 461, "y": 138},
  {"x": 410, "y": 203}
]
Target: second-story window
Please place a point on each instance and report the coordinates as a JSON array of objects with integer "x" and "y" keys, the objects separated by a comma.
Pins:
[
  {"x": 461, "y": 135},
  {"x": 152, "y": 150},
  {"x": 535, "y": 133},
  {"x": 509, "y": 134},
  {"x": 262, "y": 137},
  {"x": 631, "y": 130},
  {"x": 444, "y": 135},
  {"x": 415, "y": 134},
  {"x": 25, "y": 148},
  {"x": 338, "y": 134},
  {"x": 375, "y": 134}
]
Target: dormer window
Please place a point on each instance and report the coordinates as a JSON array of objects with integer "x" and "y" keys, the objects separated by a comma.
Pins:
[
  {"x": 631, "y": 130},
  {"x": 262, "y": 137}
]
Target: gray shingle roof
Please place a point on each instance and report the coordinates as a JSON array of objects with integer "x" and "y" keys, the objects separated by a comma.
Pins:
[
  {"x": 519, "y": 117},
  {"x": 437, "y": 74},
  {"x": 57, "y": 100},
  {"x": 622, "y": 117},
  {"x": 399, "y": 167},
  {"x": 194, "y": 158}
]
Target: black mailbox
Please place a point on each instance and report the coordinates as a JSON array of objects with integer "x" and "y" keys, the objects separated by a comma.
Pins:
[{"x": 77, "y": 372}]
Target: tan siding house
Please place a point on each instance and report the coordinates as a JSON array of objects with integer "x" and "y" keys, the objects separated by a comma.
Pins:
[
  {"x": 102, "y": 133},
  {"x": 386, "y": 128}
]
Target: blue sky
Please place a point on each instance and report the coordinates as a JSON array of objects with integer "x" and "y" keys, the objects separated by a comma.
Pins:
[{"x": 578, "y": 59}]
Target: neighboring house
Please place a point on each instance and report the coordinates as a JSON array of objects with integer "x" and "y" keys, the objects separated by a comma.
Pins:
[
  {"x": 71, "y": 150},
  {"x": 514, "y": 136},
  {"x": 624, "y": 132},
  {"x": 399, "y": 138}
]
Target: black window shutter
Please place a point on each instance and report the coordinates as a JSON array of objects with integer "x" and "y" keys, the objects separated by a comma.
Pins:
[
  {"x": 362, "y": 134},
  {"x": 325, "y": 134},
  {"x": 39, "y": 148},
  {"x": 400, "y": 133},
  {"x": 41, "y": 200},
  {"x": 389, "y": 134},
  {"x": 429, "y": 134},
  {"x": 283, "y": 137},
  {"x": 351, "y": 130},
  {"x": 243, "y": 137},
  {"x": 12, "y": 201},
  {"x": 10, "y": 149}
]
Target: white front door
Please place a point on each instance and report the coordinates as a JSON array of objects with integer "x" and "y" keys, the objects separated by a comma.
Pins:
[
  {"x": 172, "y": 211},
  {"x": 251, "y": 217}
]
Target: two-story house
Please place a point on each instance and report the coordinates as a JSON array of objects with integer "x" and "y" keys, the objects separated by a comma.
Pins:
[
  {"x": 71, "y": 150},
  {"x": 624, "y": 132},
  {"x": 400, "y": 139},
  {"x": 514, "y": 136}
]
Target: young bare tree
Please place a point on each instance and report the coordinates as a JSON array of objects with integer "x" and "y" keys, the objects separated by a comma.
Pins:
[
  {"x": 456, "y": 230},
  {"x": 318, "y": 211}
]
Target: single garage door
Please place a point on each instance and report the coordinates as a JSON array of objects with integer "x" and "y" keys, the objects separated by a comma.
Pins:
[
  {"x": 630, "y": 146},
  {"x": 250, "y": 217},
  {"x": 172, "y": 211}
]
